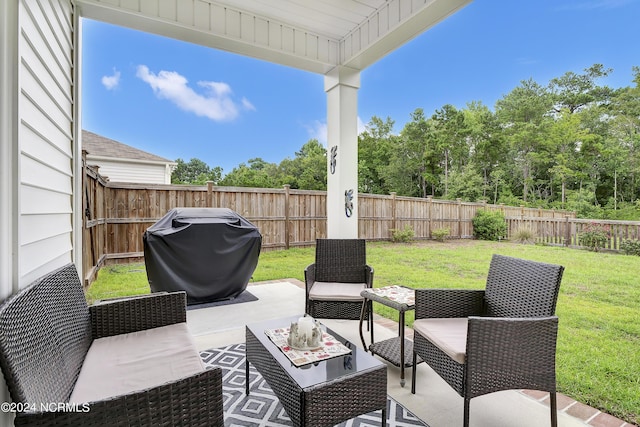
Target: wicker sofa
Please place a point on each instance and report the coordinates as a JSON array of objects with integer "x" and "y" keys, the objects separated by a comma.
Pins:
[{"x": 120, "y": 363}]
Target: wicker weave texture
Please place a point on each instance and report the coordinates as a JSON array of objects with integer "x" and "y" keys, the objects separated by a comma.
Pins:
[
  {"x": 512, "y": 333},
  {"x": 137, "y": 314},
  {"x": 521, "y": 288},
  {"x": 448, "y": 369},
  {"x": 326, "y": 404},
  {"x": 504, "y": 354},
  {"x": 195, "y": 401},
  {"x": 289, "y": 393},
  {"x": 331, "y": 403},
  {"x": 341, "y": 261},
  {"x": 45, "y": 332},
  {"x": 442, "y": 303},
  {"x": 335, "y": 310},
  {"x": 44, "y": 337},
  {"x": 389, "y": 350}
]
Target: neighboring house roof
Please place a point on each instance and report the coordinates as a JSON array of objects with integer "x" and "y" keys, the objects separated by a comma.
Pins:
[{"x": 99, "y": 146}]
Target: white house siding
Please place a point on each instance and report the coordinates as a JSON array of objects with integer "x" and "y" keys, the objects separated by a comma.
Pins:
[
  {"x": 120, "y": 171},
  {"x": 45, "y": 136},
  {"x": 37, "y": 157}
]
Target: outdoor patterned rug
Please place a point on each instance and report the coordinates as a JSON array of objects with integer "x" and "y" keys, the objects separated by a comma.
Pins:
[{"x": 262, "y": 408}]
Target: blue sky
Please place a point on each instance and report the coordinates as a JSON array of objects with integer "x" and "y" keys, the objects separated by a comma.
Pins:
[{"x": 179, "y": 100}]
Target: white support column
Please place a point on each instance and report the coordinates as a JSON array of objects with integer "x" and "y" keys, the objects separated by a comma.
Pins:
[{"x": 341, "y": 85}]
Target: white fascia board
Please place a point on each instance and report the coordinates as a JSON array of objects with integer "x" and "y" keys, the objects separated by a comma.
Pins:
[
  {"x": 376, "y": 41},
  {"x": 293, "y": 53},
  {"x": 125, "y": 160}
]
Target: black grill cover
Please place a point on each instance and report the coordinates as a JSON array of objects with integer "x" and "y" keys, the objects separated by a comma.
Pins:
[{"x": 210, "y": 253}]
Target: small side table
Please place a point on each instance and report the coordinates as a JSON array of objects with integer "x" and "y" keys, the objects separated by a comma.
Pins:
[{"x": 397, "y": 350}]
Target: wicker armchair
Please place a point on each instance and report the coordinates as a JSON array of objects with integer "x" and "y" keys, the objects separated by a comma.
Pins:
[
  {"x": 500, "y": 338},
  {"x": 334, "y": 282}
]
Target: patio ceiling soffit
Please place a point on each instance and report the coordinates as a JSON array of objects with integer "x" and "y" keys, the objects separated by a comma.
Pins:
[{"x": 311, "y": 35}]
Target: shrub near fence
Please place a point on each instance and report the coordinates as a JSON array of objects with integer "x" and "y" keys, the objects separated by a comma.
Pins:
[{"x": 117, "y": 215}]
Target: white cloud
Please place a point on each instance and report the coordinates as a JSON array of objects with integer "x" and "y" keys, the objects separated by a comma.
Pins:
[
  {"x": 361, "y": 126},
  {"x": 318, "y": 130},
  {"x": 248, "y": 105},
  {"x": 215, "y": 103},
  {"x": 111, "y": 82}
]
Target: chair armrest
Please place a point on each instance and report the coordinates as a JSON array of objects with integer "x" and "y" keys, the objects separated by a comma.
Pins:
[
  {"x": 123, "y": 316},
  {"x": 309, "y": 277},
  {"x": 368, "y": 273},
  {"x": 441, "y": 303},
  {"x": 509, "y": 353},
  {"x": 192, "y": 401}
]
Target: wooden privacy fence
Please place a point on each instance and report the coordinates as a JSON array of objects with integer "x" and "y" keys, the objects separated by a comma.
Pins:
[{"x": 117, "y": 215}]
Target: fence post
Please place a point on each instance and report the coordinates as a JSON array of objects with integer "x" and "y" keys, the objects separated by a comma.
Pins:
[
  {"x": 287, "y": 187},
  {"x": 567, "y": 233},
  {"x": 430, "y": 213},
  {"x": 209, "y": 194},
  {"x": 394, "y": 224},
  {"x": 458, "y": 217}
]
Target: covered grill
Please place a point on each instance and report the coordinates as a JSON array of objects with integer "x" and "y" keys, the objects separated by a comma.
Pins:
[{"x": 210, "y": 253}]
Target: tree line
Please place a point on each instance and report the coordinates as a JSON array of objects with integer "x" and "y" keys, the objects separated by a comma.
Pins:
[{"x": 570, "y": 144}]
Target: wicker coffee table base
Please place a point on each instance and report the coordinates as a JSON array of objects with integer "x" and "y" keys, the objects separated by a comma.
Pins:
[{"x": 325, "y": 404}]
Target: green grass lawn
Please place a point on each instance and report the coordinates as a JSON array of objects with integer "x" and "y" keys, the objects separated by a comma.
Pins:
[{"x": 598, "y": 357}]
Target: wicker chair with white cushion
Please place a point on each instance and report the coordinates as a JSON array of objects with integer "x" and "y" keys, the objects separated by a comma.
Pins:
[
  {"x": 499, "y": 338},
  {"x": 334, "y": 282}
]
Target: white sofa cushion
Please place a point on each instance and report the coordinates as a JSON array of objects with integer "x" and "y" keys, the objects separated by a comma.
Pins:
[
  {"x": 449, "y": 335},
  {"x": 331, "y": 291},
  {"x": 126, "y": 363}
]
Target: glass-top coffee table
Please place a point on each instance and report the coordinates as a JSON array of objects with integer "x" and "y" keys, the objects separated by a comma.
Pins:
[{"x": 324, "y": 393}]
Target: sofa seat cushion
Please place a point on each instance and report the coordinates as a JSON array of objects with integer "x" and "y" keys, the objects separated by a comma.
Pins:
[
  {"x": 332, "y": 291},
  {"x": 127, "y": 363},
  {"x": 449, "y": 335}
]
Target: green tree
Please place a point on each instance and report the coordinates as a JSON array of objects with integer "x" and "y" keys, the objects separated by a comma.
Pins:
[
  {"x": 195, "y": 172},
  {"x": 624, "y": 134},
  {"x": 375, "y": 146},
  {"x": 258, "y": 173},
  {"x": 524, "y": 113},
  {"x": 449, "y": 134},
  {"x": 308, "y": 169},
  {"x": 486, "y": 144},
  {"x": 573, "y": 92},
  {"x": 415, "y": 164},
  {"x": 565, "y": 136},
  {"x": 466, "y": 184}
]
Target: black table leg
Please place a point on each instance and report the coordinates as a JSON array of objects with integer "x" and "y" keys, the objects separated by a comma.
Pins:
[
  {"x": 363, "y": 314},
  {"x": 401, "y": 333},
  {"x": 246, "y": 376}
]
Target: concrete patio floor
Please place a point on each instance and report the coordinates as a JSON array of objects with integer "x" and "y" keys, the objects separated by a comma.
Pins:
[{"x": 434, "y": 402}]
